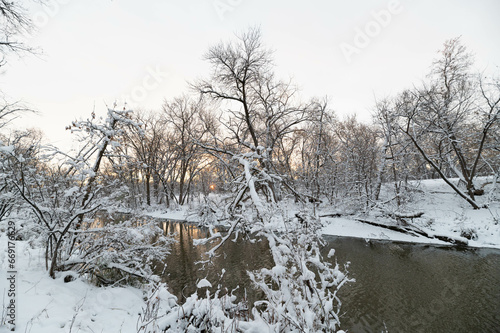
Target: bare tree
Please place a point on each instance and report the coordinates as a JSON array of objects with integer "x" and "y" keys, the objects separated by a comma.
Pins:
[
  {"x": 14, "y": 20},
  {"x": 261, "y": 110},
  {"x": 315, "y": 154},
  {"x": 450, "y": 119},
  {"x": 356, "y": 156},
  {"x": 398, "y": 160},
  {"x": 183, "y": 117},
  {"x": 147, "y": 144}
]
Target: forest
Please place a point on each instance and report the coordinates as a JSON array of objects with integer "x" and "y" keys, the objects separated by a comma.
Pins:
[{"x": 239, "y": 149}]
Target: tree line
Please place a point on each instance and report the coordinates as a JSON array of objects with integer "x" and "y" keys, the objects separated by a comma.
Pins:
[
  {"x": 250, "y": 137},
  {"x": 445, "y": 127}
]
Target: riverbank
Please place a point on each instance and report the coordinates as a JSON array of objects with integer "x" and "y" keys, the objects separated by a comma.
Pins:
[
  {"x": 53, "y": 305},
  {"x": 46, "y": 305},
  {"x": 445, "y": 215}
]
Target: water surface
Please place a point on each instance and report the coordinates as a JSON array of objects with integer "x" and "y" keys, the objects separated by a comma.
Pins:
[{"x": 400, "y": 287}]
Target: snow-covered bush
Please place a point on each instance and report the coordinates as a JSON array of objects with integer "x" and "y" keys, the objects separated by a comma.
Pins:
[
  {"x": 205, "y": 214},
  {"x": 301, "y": 288},
  {"x": 123, "y": 252},
  {"x": 212, "y": 313}
]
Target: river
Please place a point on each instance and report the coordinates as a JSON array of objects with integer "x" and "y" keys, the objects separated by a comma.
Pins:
[{"x": 400, "y": 287}]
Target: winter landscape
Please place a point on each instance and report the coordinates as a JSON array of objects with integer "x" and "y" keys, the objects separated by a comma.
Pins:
[{"x": 243, "y": 205}]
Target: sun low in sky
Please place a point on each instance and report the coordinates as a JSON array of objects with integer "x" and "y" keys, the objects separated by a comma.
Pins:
[{"x": 98, "y": 52}]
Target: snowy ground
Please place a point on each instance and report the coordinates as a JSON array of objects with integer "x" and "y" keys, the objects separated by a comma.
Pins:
[
  {"x": 445, "y": 214},
  {"x": 44, "y": 305}
]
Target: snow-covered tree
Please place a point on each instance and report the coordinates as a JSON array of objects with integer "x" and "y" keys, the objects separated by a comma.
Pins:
[
  {"x": 300, "y": 290},
  {"x": 259, "y": 109},
  {"x": 450, "y": 118},
  {"x": 63, "y": 200}
]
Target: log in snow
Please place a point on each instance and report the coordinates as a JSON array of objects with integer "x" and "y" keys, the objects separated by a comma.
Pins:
[{"x": 412, "y": 230}]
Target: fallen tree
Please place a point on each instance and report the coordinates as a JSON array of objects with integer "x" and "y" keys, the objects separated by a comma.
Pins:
[{"x": 412, "y": 230}]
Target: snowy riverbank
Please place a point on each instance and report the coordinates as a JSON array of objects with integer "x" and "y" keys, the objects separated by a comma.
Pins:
[
  {"x": 444, "y": 214},
  {"x": 45, "y": 305},
  {"x": 52, "y": 305}
]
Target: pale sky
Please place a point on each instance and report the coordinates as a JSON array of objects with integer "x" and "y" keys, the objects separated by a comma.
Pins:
[{"x": 102, "y": 51}]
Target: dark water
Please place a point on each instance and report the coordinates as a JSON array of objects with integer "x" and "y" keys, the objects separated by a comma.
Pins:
[
  {"x": 404, "y": 287},
  {"x": 399, "y": 287},
  {"x": 183, "y": 271}
]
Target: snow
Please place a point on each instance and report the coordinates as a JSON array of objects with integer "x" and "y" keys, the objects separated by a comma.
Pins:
[
  {"x": 69, "y": 192},
  {"x": 352, "y": 228},
  {"x": 6, "y": 149},
  {"x": 52, "y": 305},
  {"x": 445, "y": 214},
  {"x": 175, "y": 215},
  {"x": 46, "y": 305},
  {"x": 279, "y": 270},
  {"x": 204, "y": 283}
]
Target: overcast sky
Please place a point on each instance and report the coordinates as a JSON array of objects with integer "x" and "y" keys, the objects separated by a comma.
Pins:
[{"x": 96, "y": 52}]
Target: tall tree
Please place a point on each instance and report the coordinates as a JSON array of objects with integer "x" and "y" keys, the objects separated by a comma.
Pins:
[
  {"x": 183, "y": 116},
  {"x": 261, "y": 110},
  {"x": 438, "y": 118},
  {"x": 147, "y": 144},
  {"x": 357, "y": 156}
]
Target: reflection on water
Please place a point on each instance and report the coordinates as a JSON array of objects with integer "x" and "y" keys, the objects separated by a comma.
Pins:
[
  {"x": 399, "y": 287},
  {"x": 183, "y": 272}
]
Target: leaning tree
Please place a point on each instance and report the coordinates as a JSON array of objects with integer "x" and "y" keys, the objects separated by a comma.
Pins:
[{"x": 450, "y": 118}]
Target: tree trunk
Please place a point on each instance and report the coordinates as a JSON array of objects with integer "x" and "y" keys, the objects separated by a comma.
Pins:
[
  {"x": 441, "y": 174},
  {"x": 148, "y": 190}
]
